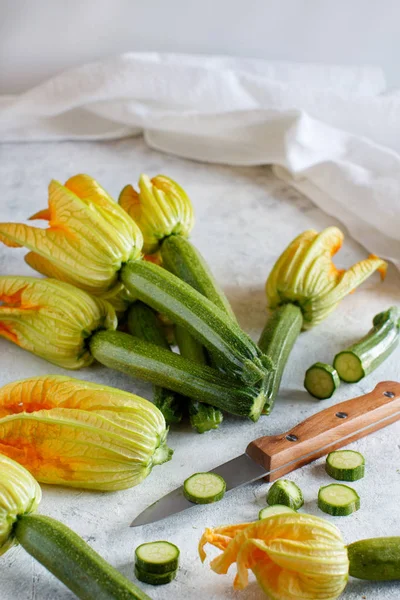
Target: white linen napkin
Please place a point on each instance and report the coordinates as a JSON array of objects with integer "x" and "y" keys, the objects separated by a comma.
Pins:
[{"x": 330, "y": 131}]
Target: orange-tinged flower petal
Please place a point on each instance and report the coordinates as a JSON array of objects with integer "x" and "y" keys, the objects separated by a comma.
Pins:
[
  {"x": 51, "y": 319},
  {"x": 80, "y": 434}
]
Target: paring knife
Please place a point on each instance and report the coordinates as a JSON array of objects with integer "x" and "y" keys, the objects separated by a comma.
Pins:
[{"x": 271, "y": 457}]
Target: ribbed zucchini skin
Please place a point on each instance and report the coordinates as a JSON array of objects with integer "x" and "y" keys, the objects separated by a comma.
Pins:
[
  {"x": 72, "y": 561},
  {"x": 131, "y": 355},
  {"x": 375, "y": 559},
  {"x": 185, "y": 306},
  {"x": 276, "y": 341},
  {"x": 182, "y": 259}
]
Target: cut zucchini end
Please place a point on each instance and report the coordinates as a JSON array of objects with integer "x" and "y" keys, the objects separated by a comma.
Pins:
[
  {"x": 349, "y": 367},
  {"x": 258, "y": 406},
  {"x": 345, "y": 465},
  {"x": 338, "y": 500},
  {"x": 154, "y": 578},
  {"x": 204, "y": 488},
  {"x": 276, "y": 509},
  {"x": 157, "y": 557},
  {"x": 285, "y": 492},
  {"x": 321, "y": 380}
]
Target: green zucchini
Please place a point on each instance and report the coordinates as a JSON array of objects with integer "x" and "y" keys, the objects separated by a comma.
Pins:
[
  {"x": 345, "y": 465},
  {"x": 285, "y": 492},
  {"x": 276, "y": 509},
  {"x": 143, "y": 323},
  {"x": 185, "y": 306},
  {"x": 321, "y": 381},
  {"x": 375, "y": 559},
  {"x": 204, "y": 488},
  {"x": 363, "y": 357},
  {"x": 72, "y": 561},
  {"x": 154, "y": 578},
  {"x": 157, "y": 557},
  {"x": 182, "y": 259},
  {"x": 203, "y": 417},
  {"x": 338, "y": 500},
  {"x": 135, "y": 357},
  {"x": 276, "y": 341}
]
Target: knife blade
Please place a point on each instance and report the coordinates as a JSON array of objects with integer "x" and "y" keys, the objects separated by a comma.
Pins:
[{"x": 270, "y": 457}]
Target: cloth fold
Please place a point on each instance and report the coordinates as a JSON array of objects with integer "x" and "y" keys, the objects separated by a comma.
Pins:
[{"x": 329, "y": 131}]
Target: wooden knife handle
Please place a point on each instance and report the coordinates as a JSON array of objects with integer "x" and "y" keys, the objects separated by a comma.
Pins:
[{"x": 327, "y": 430}]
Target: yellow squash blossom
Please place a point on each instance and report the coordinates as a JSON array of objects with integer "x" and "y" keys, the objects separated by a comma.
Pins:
[
  {"x": 80, "y": 434},
  {"x": 293, "y": 556},
  {"x": 160, "y": 209},
  {"x": 305, "y": 275},
  {"x": 87, "y": 240},
  {"x": 52, "y": 319},
  {"x": 20, "y": 495}
]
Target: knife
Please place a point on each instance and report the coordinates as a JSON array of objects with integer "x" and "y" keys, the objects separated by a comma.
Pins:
[{"x": 271, "y": 457}]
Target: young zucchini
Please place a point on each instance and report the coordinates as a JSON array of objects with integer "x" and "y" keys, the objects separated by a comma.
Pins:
[
  {"x": 154, "y": 578},
  {"x": 133, "y": 356},
  {"x": 345, "y": 465},
  {"x": 338, "y": 500},
  {"x": 144, "y": 324},
  {"x": 157, "y": 557},
  {"x": 375, "y": 559},
  {"x": 72, "y": 561},
  {"x": 204, "y": 488},
  {"x": 276, "y": 341},
  {"x": 285, "y": 492},
  {"x": 185, "y": 306},
  {"x": 363, "y": 357},
  {"x": 276, "y": 509},
  {"x": 321, "y": 381}
]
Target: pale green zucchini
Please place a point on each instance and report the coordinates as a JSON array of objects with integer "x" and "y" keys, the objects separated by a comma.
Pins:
[{"x": 375, "y": 559}]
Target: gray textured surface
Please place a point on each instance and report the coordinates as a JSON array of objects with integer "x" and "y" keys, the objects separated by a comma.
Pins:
[{"x": 245, "y": 217}]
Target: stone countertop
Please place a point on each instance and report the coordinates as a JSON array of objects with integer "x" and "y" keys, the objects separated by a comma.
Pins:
[{"x": 245, "y": 217}]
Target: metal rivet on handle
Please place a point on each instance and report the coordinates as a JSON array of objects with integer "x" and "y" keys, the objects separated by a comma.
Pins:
[
  {"x": 342, "y": 415},
  {"x": 291, "y": 437},
  {"x": 389, "y": 394}
]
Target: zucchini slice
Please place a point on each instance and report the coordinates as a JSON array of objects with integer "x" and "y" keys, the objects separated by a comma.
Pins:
[
  {"x": 366, "y": 355},
  {"x": 345, "y": 465},
  {"x": 154, "y": 578},
  {"x": 375, "y": 559},
  {"x": 285, "y": 492},
  {"x": 204, "y": 488},
  {"x": 157, "y": 557},
  {"x": 321, "y": 381},
  {"x": 338, "y": 500},
  {"x": 276, "y": 509}
]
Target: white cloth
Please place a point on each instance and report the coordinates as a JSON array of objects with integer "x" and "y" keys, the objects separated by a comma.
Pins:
[{"x": 330, "y": 131}]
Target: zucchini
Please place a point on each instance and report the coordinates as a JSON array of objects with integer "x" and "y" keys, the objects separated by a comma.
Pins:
[
  {"x": 154, "y": 578},
  {"x": 363, "y": 357},
  {"x": 276, "y": 341},
  {"x": 276, "y": 509},
  {"x": 321, "y": 380},
  {"x": 135, "y": 357},
  {"x": 181, "y": 258},
  {"x": 204, "y": 488},
  {"x": 285, "y": 492},
  {"x": 144, "y": 324},
  {"x": 375, "y": 559},
  {"x": 203, "y": 417},
  {"x": 157, "y": 557},
  {"x": 345, "y": 465},
  {"x": 72, "y": 561},
  {"x": 185, "y": 306},
  {"x": 338, "y": 500}
]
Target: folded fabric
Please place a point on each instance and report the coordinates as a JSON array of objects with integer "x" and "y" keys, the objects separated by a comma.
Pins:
[{"x": 329, "y": 131}]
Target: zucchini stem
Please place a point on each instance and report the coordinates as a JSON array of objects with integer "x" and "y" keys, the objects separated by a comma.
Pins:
[{"x": 276, "y": 341}]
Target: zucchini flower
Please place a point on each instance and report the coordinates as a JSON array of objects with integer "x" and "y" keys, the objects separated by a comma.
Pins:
[
  {"x": 293, "y": 556},
  {"x": 88, "y": 239},
  {"x": 52, "y": 319},
  {"x": 305, "y": 275},
  {"x": 81, "y": 434},
  {"x": 161, "y": 208},
  {"x": 20, "y": 495}
]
